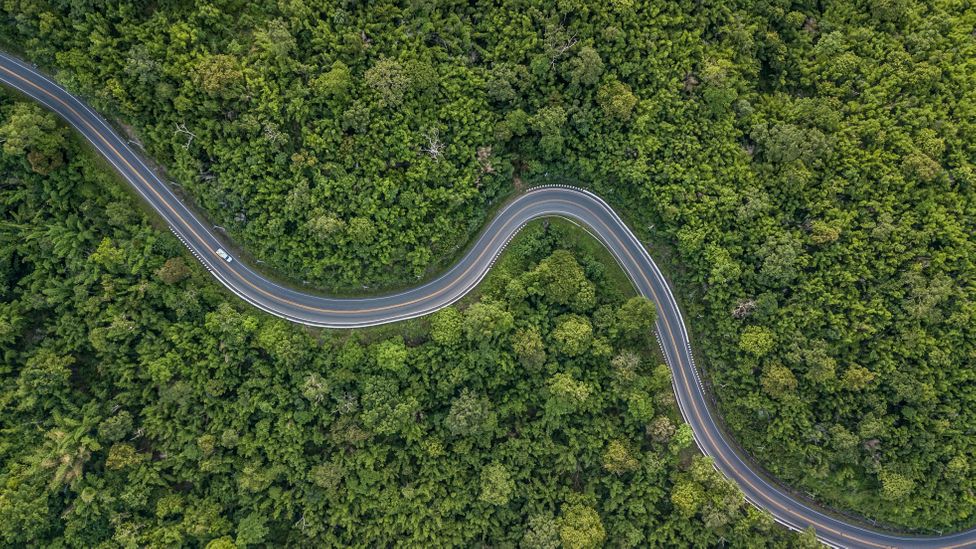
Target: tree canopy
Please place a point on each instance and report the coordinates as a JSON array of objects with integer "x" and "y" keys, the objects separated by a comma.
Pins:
[
  {"x": 804, "y": 171},
  {"x": 140, "y": 404}
]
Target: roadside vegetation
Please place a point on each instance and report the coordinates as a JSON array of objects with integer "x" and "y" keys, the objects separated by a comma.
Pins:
[
  {"x": 808, "y": 166},
  {"x": 141, "y": 405}
]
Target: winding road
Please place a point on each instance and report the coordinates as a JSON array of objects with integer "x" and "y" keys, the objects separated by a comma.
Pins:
[{"x": 578, "y": 205}]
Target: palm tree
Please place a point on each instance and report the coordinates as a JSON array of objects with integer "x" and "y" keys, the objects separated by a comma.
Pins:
[{"x": 68, "y": 448}]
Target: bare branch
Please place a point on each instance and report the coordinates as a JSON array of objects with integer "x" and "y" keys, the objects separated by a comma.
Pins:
[
  {"x": 271, "y": 132},
  {"x": 434, "y": 148},
  {"x": 744, "y": 308},
  {"x": 558, "y": 42},
  {"x": 181, "y": 129},
  {"x": 484, "y": 159}
]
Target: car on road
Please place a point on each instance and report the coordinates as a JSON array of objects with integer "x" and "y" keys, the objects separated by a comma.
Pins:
[{"x": 224, "y": 255}]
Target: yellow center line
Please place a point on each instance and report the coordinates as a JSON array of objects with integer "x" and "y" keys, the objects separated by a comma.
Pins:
[
  {"x": 694, "y": 405},
  {"x": 201, "y": 241},
  {"x": 501, "y": 231}
]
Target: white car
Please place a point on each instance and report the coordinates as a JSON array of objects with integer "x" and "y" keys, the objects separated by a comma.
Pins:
[{"x": 224, "y": 255}]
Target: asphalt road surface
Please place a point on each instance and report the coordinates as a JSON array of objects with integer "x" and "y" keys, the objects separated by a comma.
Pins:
[{"x": 578, "y": 205}]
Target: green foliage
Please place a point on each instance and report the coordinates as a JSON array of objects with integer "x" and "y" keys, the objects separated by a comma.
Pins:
[
  {"x": 173, "y": 271},
  {"x": 895, "y": 486},
  {"x": 640, "y": 407},
  {"x": 392, "y": 355},
  {"x": 757, "y": 341},
  {"x": 122, "y": 456},
  {"x": 251, "y": 530},
  {"x": 116, "y": 427},
  {"x": 222, "y": 543},
  {"x": 681, "y": 439},
  {"x": 142, "y": 411},
  {"x": 561, "y": 281},
  {"x": 703, "y": 491},
  {"x": 497, "y": 486},
  {"x": 486, "y": 322},
  {"x": 389, "y": 79},
  {"x": 573, "y": 335},
  {"x": 529, "y": 348},
  {"x": 585, "y": 69},
  {"x": 334, "y": 84},
  {"x": 470, "y": 415},
  {"x": 43, "y": 373},
  {"x": 617, "y": 100},
  {"x": 803, "y": 172},
  {"x": 566, "y": 395},
  {"x": 542, "y": 533},
  {"x": 581, "y": 528},
  {"x": 549, "y": 122},
  {"x": 218, "y": 74},
  {"x": 778, "y": 381},
  {"x": 635, "y": 319},
  {"x": 687, "y": 498},
  {"x": 617, "y": 458},
  {"x": 35, "y": 133},
  {"x": 446, "y": 326}
]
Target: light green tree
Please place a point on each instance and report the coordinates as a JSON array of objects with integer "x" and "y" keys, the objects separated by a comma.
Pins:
[
  {"x": 617, "y": 459},
  {"x": 573, "y": 335},
  {"x": 497, "y": 485},
  {"x": 617, "y": 100},
  {"x": 581, "y": 528}
]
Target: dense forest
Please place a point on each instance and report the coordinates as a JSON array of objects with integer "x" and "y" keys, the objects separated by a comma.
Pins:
[
  {"x": 804, "y": 169},
  {"x": 141, "y": 405}
]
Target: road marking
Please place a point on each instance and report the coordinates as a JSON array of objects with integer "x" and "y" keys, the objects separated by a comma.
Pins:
[{"x": 676, "y": 360}]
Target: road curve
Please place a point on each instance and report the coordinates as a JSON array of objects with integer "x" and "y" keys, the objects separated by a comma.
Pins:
[{"x": 578, "y": 205}]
